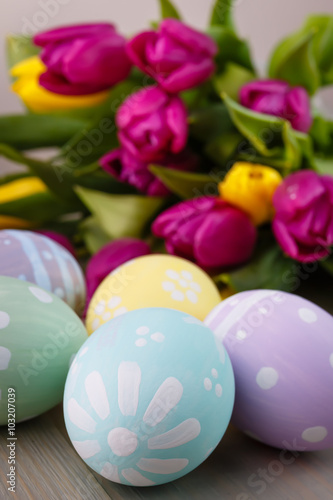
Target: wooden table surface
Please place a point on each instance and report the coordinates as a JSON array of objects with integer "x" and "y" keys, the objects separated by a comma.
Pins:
[{"x": 48, "y": 468}]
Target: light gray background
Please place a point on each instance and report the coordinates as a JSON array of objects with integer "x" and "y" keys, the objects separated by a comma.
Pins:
[{"x": 263, "y": 22}]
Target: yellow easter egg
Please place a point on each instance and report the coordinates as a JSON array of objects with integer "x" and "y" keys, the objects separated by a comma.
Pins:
[{"x": 153, "y": 281}]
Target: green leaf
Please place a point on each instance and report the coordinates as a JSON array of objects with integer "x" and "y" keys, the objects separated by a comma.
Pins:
[
  {"x": 210, "y": 122},
  {"x": 260, "y": 129},
  {"x": 184, "y": 184},
  {"x": 19, "y": 47},
  {"x": 268, "y": 269},
  {"x": 324, "y": 166},
  {"x": 327, "y": 264},
  {"x": 272, "y": 137},
  {"x": 38, "y": 208},
  {"x": 294, "y": 61},
  {"x": 322, "y": 135},
  {"x": 93, "y": 236},
  {"x": 232, "y": 80},
  {"x": 58, "y": 180},
  {"x": 222, "y": 149},
  {"x": 32, "y": 131},
  {"x": 322, "y": 45},
  {"x": 222, "y": 14},
  {"x": 120, "y": 215},
  {"x": 168, "y": 10},
  {"x": 231, "y": 48}
]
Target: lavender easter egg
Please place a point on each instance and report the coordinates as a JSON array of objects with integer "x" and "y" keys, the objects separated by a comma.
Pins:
[
  {"x": 281, "y": 349},
  {"x": 33, "y": 257}
]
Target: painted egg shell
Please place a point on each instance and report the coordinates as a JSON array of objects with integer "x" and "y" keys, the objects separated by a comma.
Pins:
[
  {"x": 35, "y": 258},
  {"x": 39, "y": 334},
  {"x": 281, "y": 348},
  {"x": 153, "y": 281},
  {"x": 148, "y": 397}
]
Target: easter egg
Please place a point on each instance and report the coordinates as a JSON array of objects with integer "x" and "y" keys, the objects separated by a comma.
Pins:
[
  {"x": 153, "y": 281},
  {"x": 148, "y": 397},
  {"x": 281, "y": 348},
  {"x": 39, "y": 334},
  {"x": 36, "y": 258}
]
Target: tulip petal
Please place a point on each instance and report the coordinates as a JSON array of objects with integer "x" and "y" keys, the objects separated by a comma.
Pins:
[
  {"x": 298, "y": 110},
  {"x": 144, "y": 102},
  {"x": 225, "y": 238},
  {"x": 251, "y": 91},
  {"x": 297, "y": 192},
  {"x": 176, "y": 119},
  {"x": 136, "y": 49},
  {"x": 72, "y": 32},
  {"x": 187, "y": 76},
  {"x": 286, "y": 242},
  {"x": 192, "y": 39}
]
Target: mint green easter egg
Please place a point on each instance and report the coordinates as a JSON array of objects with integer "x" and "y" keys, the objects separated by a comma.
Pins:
[{"x": 39, "y": 337}]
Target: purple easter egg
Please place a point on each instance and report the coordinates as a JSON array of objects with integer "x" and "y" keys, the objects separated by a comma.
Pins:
[
  {"x": 36, "y": 258},
  {"x": 281, "y": 349}
]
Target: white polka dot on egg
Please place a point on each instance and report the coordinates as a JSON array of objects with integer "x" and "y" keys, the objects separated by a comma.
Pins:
[
  {"x": 307, "y": 315},
  {"x": 187, "y": 275},
  {"x": 114, "y": 302},
  {"x": 140, "y": 342},
  {"x": 5, "y": 356},
  {"x": 192, "y": 296},
  {"x": 142, "y": 330},
  {"x": 172, "y": 274},
  {"x": 314, "y": 434},
  {"x": 168, "y": 286},
  {"x": 41, "y": 295},
  {"x": 4, "y": 319},
  {"x": 179, "y": 296},
  {"x": 267, "y": 378},
  {"x": 218, "y": 390},
  {"x": 208, "y": 384}
]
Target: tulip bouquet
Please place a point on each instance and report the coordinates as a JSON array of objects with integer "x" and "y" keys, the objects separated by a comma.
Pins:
[{"x": 172, "y": 138}]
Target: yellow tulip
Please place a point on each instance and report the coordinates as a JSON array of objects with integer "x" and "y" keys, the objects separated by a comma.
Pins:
[
  {"x": 16, "y": 190},
  {"x": 251, "y": 188},
  {"x": 7, "y": 222},
  {"x": 40, "y": 100},
  {"x": 21, "y": 188}
]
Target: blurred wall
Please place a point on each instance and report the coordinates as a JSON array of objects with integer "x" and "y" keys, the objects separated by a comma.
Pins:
[{"x": 263, "y": 22}]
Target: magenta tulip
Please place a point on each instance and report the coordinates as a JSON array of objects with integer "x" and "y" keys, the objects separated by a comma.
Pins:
[
  {"x": 111, "y": 256},
  {"x": 207, "y": 231},
  {"x": 274, "y": 97},
  {"x": 303, "y": 224},
  {"x": 152, "y": 124},
  {"x": 177, "y": 56},
  {"x": 126, "y": 168},
  {"x": 83, "y": 59}
]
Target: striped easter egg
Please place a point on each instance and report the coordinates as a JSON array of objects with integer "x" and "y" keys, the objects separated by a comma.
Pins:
[{"x": 33, "y": 257}]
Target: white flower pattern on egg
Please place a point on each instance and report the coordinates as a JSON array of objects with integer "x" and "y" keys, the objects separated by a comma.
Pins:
[
  {"x": 182, "y": 286},
  {"x": 105, "y": 311},
  {"x": 143, "y": 331},
  {"x": 208, "y": 384},
  {"x": 126, "y": 442}
]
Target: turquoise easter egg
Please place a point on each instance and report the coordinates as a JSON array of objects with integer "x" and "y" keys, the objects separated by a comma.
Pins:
[
  {"x": 39, "y": 336},
  {"x": 148, "y": 397},
  {"x": 33, "y": 257}
]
